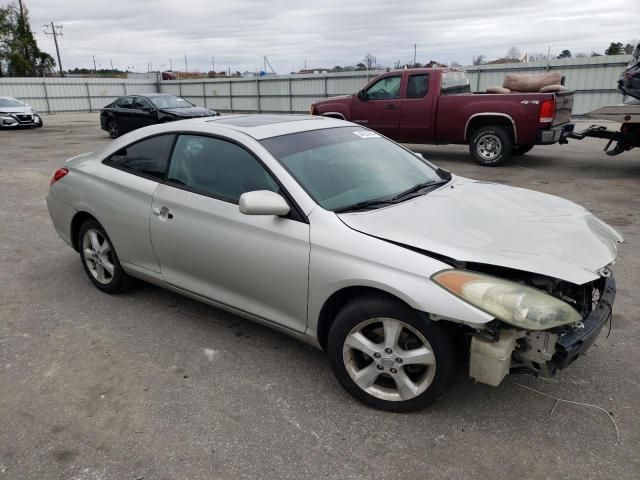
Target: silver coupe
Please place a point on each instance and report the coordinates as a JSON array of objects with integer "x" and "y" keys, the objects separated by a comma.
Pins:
[{"x": 338, "y": 236}]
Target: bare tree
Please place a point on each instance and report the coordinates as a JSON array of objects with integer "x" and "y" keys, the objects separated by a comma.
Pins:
[
  {"x": 454, "y": 64},
  {"x": 515, "y": 53},
  {"x": 370, "y": 61},
  {"x": 479, "y": 60},
  {"x": 537, "y": 56}
]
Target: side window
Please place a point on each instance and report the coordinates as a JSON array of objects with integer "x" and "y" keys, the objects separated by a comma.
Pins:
[
  {"x": 418, "y": 86},
  {"x": 385, "y": 88},
  {"x": 141, "y": 102},
  {"x": 125, "y": 102},
  {"x": 217, "y": 167},
  {"x": 147, "y": 157}
]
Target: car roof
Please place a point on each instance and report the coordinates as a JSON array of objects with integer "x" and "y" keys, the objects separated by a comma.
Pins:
[{"x": 261, "y": 126}]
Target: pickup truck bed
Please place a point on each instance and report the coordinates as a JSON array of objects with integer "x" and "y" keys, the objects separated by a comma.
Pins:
[{"x": 434, "y": 106}]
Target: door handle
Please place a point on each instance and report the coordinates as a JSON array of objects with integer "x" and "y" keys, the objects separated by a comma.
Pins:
[
  {"x": 162, "y": 212},
  {"x": 391, "y": 106}
]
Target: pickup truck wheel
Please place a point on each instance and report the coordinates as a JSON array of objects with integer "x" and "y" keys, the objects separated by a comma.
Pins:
[
  {"x": 521, "y": 149},
  {"x": 491, "y": 146},
  {"x": 387, "y": 356}
]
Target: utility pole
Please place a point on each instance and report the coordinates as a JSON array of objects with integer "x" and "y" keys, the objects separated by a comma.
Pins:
[
  {"x": 415, "y": 47},
  {"x": 111, "y": 62},
  {"x": 171, "y": 64},
  {"x": 213, "y": 64},
  {"x": 56, "y": 31},
  {"x": 95, "y": 70},
  {"x": 185, "y": 63}
]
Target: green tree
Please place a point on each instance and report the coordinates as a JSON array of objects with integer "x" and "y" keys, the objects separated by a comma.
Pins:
[
  {"x": 565, "y": 54},
  {"x": 615, "y": 48},
  {"x": 19, "y": 52}
]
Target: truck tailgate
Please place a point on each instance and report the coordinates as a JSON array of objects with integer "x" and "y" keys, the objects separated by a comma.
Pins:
[{"x": 564, "y": 106}]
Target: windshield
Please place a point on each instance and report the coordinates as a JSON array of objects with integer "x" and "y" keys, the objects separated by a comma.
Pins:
[
  {"x": 10, "y": 103},
  {"x": 170, "y": 101},
  {"x": 342, "y": 167}
]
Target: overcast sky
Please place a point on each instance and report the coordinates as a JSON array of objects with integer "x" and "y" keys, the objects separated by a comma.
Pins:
[{"x": 324, "y": 33}]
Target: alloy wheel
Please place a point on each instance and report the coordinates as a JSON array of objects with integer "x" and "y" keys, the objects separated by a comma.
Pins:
[
  {"x": 389, "y": 359},
  {"x": 98, "y": 256},
  {"x": 489, "y": 146},
  {"x": 113, "y": 129}
]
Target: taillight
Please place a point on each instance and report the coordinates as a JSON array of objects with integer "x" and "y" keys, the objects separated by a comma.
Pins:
[
  {"x": 547, "y": 110},
  {"x": 58, "y": 175}
]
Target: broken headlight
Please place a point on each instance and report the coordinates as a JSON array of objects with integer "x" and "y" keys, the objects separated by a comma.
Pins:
[{"x": 511, "y": 302}]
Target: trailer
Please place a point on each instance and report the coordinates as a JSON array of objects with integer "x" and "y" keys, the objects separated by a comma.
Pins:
[{"x": 628, "y": 114}]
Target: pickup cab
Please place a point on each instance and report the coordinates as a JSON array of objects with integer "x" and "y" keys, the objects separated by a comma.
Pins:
[{"x": 435, "y": 106}]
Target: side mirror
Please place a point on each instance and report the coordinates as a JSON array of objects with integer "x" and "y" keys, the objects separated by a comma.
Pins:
[
  {"x": 362, "y": 95},
  {"x": 263, "y": 202},
  {"x": 148, "y": 109}
]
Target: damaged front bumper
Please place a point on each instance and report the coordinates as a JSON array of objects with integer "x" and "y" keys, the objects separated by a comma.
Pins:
[{"x": 541, "y": 352}]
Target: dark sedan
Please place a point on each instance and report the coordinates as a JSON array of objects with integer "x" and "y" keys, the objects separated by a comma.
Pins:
[{"x": 136, "y": 111}]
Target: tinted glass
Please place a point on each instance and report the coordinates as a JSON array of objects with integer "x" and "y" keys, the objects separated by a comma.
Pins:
[
  {"x": 418, "y": 86},
  {"x": 142, "y": 102},
  {"x": 388, "y": 87},
  {"x": 125, "y": 102},
  {"x": 339, "y": 167},
  {"x": 217, "y": 167},
  {"x": 148, "y": 157}
]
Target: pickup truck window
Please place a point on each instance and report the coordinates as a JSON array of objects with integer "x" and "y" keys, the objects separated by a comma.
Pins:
[
  {"x": 385, "y": 88},
  {"x": 418, "y": 86},
  {"x": 455, "y": 82}
]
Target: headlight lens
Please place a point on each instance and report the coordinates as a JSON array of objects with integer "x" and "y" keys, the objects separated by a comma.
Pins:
[{"x": 519, "y": 305}]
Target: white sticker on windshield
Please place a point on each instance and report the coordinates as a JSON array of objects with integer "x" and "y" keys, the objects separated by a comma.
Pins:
[{"x": 366, "y": 134}]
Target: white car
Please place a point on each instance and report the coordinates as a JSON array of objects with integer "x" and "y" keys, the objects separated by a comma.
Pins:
[
  {"x": 340, "y": 237},
  {"x": 14, "y": 113}
]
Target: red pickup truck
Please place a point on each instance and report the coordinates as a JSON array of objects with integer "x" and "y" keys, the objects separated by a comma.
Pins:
[{"x": 434, "y": 105}]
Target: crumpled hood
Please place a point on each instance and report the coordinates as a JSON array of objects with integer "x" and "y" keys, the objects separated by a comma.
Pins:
[
  {"x": 481, "y": 222},
  {"x": 189, "y": 112}
]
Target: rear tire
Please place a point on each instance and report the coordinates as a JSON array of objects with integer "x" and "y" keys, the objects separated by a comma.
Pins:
[
  {"x": 519, "y": 150},
  {"x": 491, "y": 146},
  {"x": 388, "y": 357},
  {"x": 113, "y": 128},
  {"x": 99, "y": 259}
]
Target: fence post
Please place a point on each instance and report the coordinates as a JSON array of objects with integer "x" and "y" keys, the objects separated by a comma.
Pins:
[
  {"x": 86, "y": 84},
  {"x": 478, "y": 79},
  {"x": 204, "y": 95},
  {"x": 46, "y": 93},
  {"x": 258, "y": 92},
  {"x": 290, "y": 97},
  {"x": 124, "y": 88},
  {"x": 326, "y": 87},
  {"x": 230, "y": 96},
  {"x": 180, "y": 88}
]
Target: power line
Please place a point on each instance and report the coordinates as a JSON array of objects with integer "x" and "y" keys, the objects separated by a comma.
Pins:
[{"x": 56, "y": 31}]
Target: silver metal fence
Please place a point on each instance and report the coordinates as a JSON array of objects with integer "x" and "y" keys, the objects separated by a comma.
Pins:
[{"x": 593, "y": 79}]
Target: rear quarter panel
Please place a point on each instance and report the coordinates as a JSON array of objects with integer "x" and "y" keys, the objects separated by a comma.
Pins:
[{"x": 455, "y": 111}]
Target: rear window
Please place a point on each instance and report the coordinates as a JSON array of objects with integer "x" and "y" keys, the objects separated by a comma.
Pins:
[
  {"x": 147, "y": 158},
  {"x": 454, "y": 81}
]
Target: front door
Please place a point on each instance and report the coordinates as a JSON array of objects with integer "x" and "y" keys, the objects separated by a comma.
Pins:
[
  {"x": 145, "y": 114},
  {"x": 256, "y": 264},
  {"x": 379, "y": 109}
]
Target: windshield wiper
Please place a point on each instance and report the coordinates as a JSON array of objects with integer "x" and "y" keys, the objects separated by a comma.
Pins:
[
  {"x": 367, "y": 204},
  {"x": 420, "y": 186}
]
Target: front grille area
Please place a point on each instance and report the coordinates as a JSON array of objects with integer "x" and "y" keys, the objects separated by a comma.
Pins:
[{"x": 24, "y": 118}]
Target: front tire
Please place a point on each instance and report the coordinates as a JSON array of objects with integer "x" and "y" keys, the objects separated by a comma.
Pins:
[
  {"x": 388, "y": 357},
  {"x": 491, "y": 146},
  {"x": 99, "y": 259}
]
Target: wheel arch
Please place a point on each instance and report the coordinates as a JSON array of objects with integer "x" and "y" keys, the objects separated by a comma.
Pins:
[
  {"x": 337, "y": 115},
  {"x": 480, "y": 120},
  {"x": 76, "y": 223},
  {"x": 339, "y": 299}
]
